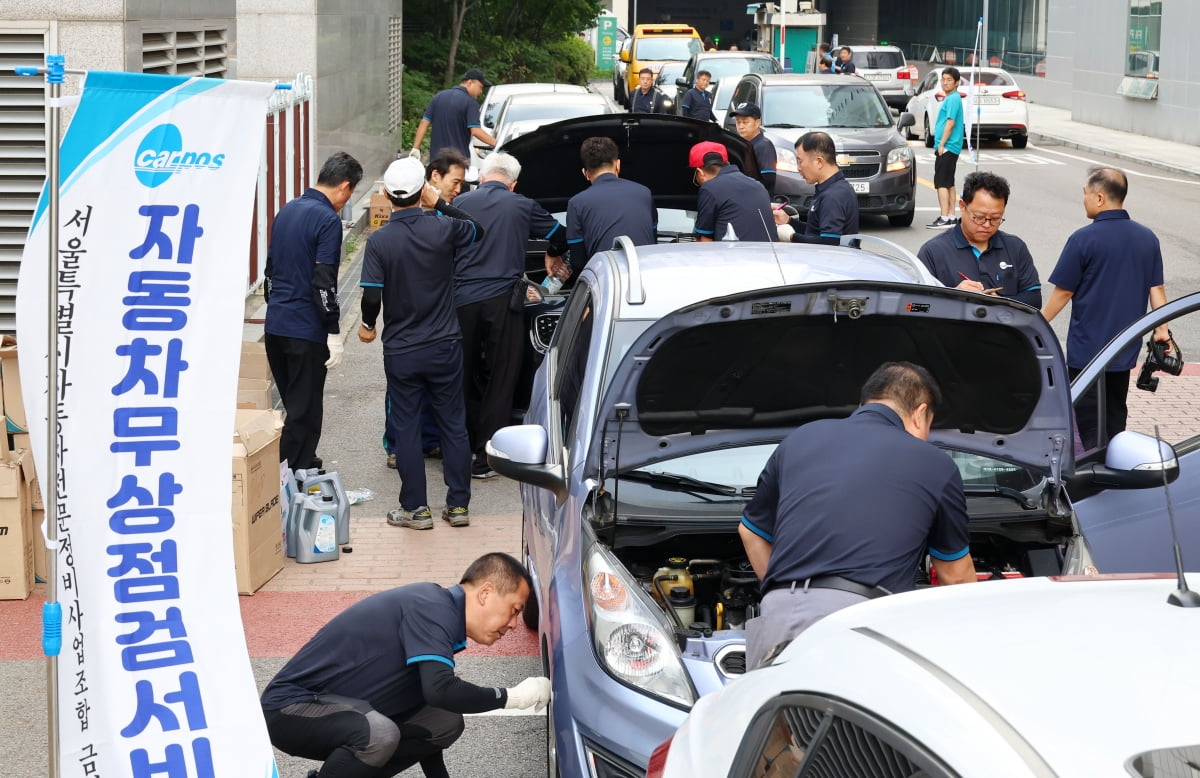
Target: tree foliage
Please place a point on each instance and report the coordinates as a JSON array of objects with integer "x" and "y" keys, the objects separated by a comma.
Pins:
[{"x": 509, "y": 40}]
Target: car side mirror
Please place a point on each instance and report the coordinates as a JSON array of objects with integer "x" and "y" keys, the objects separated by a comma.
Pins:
[
  {"x": 906, "y": 120},
  {"x": 625, "y": 55},
  {"x": 1132, "y": 461},
  {"x": 519, "y": 452},
  {"x": 683, "y": 82}
]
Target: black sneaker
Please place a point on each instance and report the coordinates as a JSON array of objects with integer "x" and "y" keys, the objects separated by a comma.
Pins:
[
  {"x": 483, "y": 472},
  {"x": 457, "y": 516},
  {"x": 939, "y": 223}
]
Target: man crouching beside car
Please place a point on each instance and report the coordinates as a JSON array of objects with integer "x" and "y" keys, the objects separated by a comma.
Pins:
[{"x": 846, "y": 508}]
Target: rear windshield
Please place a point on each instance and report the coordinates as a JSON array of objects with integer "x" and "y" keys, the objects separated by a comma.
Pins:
[
  {"x": 734, "y": 66},
  {"x": 677, "y": 47},
  {"x": 988, "y": 79},
  {"x": 878, "y": 60},
  {"x": 813, "y": 106}
]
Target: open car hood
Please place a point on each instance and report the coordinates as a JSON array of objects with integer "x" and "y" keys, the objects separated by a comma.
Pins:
[
  {"x": 654, "y": 152},
  {"x": 751, "y": 367}
]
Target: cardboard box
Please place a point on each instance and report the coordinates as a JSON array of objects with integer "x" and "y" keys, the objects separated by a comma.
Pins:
[
  {"x": 14, "y": 404},
  {"x": 254, "y": 394},
  {"x": 381, "y": 211},
  {"x": 257, "y": 516},
  {"x": 16, "y": 527},
  {"x": 254, "y": 361}
]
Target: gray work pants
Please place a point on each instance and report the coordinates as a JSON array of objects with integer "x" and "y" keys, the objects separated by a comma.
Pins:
[{"x": 788, "y": 612}]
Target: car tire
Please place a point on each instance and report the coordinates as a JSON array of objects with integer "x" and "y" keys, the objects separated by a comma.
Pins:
[
  {"x": 928, "y": 133},
  {"x": 552, "y": 770},
  {"x": 529, "y": 614},
  {"x": 894, "y": 219},
  {"x": 1020, "y": 141}
]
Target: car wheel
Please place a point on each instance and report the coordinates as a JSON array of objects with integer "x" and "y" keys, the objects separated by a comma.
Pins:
[
  {"x": 928, "y": 134},
  {"x": 530, "y": 613},
  {"x": 1020, "y": 141},
  {"x": 896, "y": 220},
  {"x": 552, "y": 770}
]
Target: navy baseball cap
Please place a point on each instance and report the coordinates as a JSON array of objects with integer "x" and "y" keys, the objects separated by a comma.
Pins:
[
  {"x": 746, "y": 109},
  {"x": 475, "y": 74}
]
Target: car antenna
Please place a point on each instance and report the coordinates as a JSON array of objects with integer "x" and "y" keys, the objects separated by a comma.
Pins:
[
  {"x": 1182, "y": 597},
  {"x": 771, "y": 243}
]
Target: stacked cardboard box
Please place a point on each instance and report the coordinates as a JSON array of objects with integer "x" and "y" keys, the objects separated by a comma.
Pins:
[
  {"x": 18, "y": 542},
  {"x": 257, "y": 514},
  {"x": 254, "y": 378}
]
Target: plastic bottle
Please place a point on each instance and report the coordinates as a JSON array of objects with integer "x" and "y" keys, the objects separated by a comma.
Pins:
[
  {"x": 552, "y": 284},
  {"x": 316, "y": 537},
  {"x": 663, "y": 581},
  {"x": 683, "y": 603},
  {"x": 329, "y": 484}
]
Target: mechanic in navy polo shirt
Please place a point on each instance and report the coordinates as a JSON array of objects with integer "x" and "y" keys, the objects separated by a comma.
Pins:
[
  {"x": 408, "y": 267},
  {"x": 611, "y": 206},
  {"x": 846, "y": 509},
  {"x": 748, "y": 120},
  {"x": 454, "y": 114},
  {"x": 301, "y": 329},
  {"x": 834, "y": 209},
  {"x": 697, "y": 102},
  {"x": 975, "y": 255},
  {"x": 489, "y": 290},
  {"x": 646, "y": 99},
  {"x": 374, "y": 691},
  {"x": 731, "y": 205},
  {"x": 1108, "y": 271}
]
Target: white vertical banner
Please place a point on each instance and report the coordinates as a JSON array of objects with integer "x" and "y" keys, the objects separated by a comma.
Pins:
[{"x": 158, "y": 178}]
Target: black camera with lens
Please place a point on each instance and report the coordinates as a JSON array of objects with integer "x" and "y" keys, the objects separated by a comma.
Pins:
[{"x": 1164, "y": 356}]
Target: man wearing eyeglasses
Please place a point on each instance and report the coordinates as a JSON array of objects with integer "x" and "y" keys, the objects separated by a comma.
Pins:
[{"x": 975, "y": 255}]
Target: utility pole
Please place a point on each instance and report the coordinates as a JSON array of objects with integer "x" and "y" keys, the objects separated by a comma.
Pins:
[{"x": 983, "y": 39}]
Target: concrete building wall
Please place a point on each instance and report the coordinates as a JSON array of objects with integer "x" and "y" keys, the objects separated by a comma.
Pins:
[
  {"x": 1086, "y": 49},
  {"x": 344, "y": 45}
]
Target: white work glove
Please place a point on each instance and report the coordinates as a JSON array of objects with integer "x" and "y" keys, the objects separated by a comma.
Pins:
[
  {"x": 415, "y": 153},
  {"x": 336, "y": 349},
  {"x": 532, "y": 692},
  {"x": 785, "y": 231}
]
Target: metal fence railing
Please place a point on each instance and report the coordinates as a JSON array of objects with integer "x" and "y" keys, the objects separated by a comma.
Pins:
[{"x": 1032, "y": 63}]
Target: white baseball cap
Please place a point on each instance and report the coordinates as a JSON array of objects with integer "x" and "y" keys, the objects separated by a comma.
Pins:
[{"x": 404, "y": 178}]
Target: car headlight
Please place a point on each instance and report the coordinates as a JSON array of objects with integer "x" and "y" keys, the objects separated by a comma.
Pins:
[
  {"x": 630, "y": 633},
  {"x": 899, "y": 158},
  {"x": 668, "y": 102},
  {"x": 785, "y": 160}
]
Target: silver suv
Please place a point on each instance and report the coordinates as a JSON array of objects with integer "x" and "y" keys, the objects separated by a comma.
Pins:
[
  {"x": 874, "y": 157},
  {"x": 887, "y": 69}
]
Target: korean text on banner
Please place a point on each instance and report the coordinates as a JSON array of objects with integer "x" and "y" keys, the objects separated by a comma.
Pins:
[{"x": 156, "y": 198}]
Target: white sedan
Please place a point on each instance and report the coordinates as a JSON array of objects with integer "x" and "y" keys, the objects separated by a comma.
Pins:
[
  {"x": 493, "y": 101},
  {"x": 1032, "y": 677},
  {"x": 994, "y": 106}
]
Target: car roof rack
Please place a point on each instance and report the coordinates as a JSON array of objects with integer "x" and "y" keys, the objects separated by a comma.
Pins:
[
  {"x": 635, "y": 293},
  {"x": 885, "y": 247}
]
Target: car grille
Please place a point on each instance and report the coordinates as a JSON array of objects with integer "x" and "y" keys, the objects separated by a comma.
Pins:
[
  {"x": 731, "y": 661},
  {"x": 863, "y": 164},
  {"x": 543, "y": 330}
]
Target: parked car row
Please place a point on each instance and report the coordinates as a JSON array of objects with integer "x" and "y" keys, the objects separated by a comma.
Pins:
[
  {"x": 511, "y": 110},
  {"x": 671, "y": 371},
  {"x": 994, "y": 107}
]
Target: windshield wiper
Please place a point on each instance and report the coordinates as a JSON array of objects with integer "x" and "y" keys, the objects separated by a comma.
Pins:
[
  {"x": 680, "y": 482},
  {"x": 1001, "y": 491},
  {"x": 787, "y": 126}
]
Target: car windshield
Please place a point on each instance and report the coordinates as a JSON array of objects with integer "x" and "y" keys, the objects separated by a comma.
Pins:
[
  {"x": 980, "y": 471},
  {"x": 725, "y": 67},
  {"x": 878, "y": 60},
  {"x": 667, "y": 48},
  {"x": 549, "y": 111},
  {"x": 813, "y": 106}
]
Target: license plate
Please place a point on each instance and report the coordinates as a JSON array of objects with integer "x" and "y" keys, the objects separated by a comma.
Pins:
[
  {"x": 985, "y": 100},
  {"x": 861, "y": 187},
  {"x": 878, "y": 77}
]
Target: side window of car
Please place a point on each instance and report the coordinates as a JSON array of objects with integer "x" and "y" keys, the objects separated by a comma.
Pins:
[
  {"x": 742, "y": 93},
  {"x": 804, "y": 734},
  {"x": 569, "y": 353}
]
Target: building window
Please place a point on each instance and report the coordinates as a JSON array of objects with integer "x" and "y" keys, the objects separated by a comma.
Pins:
[
  {"x": 1145, "y": 32},
  {"x": 186, "y": 52}
]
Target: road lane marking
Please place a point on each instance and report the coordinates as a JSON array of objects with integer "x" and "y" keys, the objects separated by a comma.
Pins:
[{"x": 1094, "y": 162}]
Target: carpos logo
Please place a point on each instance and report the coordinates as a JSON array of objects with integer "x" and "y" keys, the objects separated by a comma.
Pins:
[{"x": 161, "y": 154}]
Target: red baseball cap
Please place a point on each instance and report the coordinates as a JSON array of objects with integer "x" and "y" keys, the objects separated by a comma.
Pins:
[{"x": 696, "y": 155}]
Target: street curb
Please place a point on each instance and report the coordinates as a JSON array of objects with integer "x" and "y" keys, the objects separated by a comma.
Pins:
[{"x": 1074, "y": 144}]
